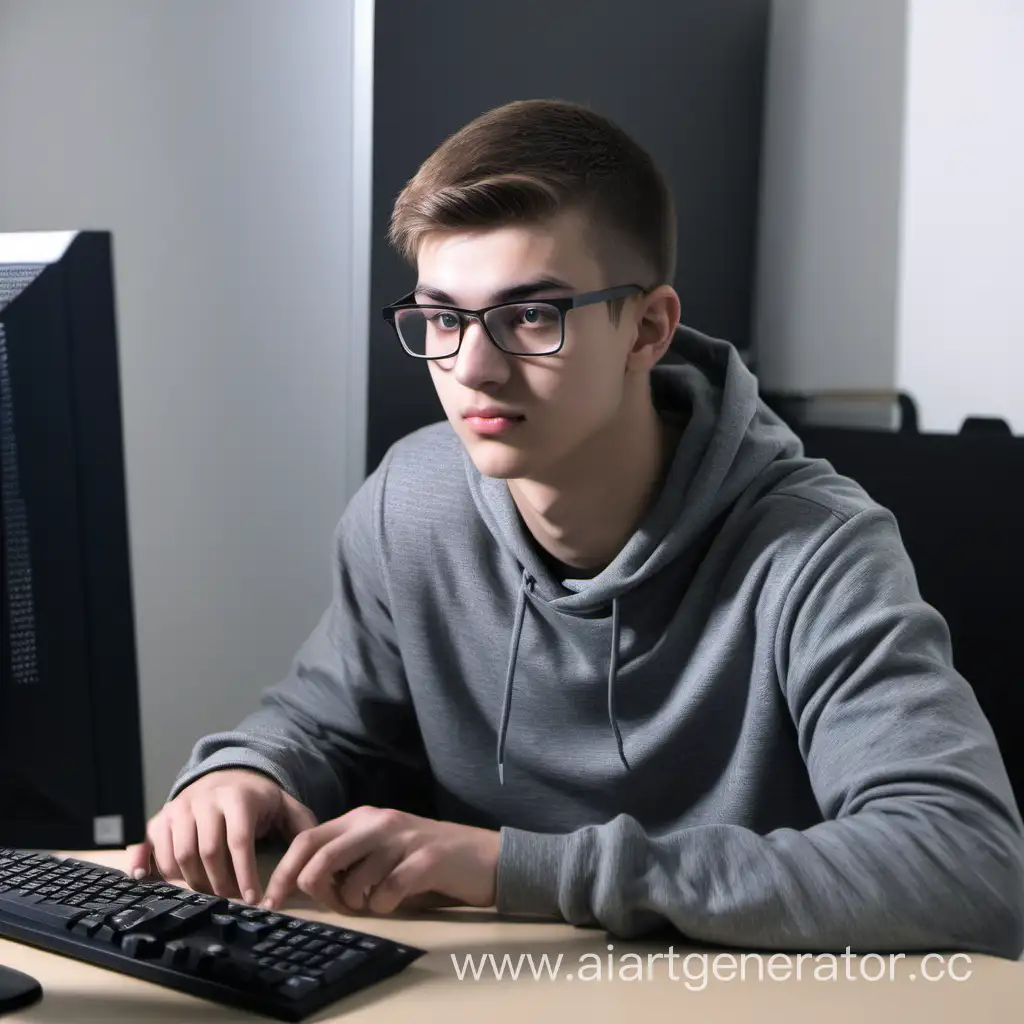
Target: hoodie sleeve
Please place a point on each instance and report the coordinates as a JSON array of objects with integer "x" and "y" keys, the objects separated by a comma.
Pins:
[
  {"x": 343, "y": 714},
  {"x": 921, "y": 844}
]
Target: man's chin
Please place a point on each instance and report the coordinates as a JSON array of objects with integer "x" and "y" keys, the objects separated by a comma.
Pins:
[{"x": 497, "y": 460}]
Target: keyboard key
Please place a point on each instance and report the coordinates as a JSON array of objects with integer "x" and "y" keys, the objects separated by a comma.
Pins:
[
  {"x": 124, "y": 920},
  {"x": 189, "y": 913},
  {"x": 273, "y": 976},
  {"x": 257, "y": 929},
  {"x": 350, "y": 960},
  {"x": 140, "y": 946},
  {"x": 298, "y": 986},
  {"x": 175, "y": 953},
  {"x": 206, "y": 900},
  {"x": 153, "y": 917},
  {"x": 202, "y": 960},
  {"x": 89, "y": 925}
]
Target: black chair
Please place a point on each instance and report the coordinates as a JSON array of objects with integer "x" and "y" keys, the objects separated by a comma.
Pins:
[{"x": 959, "y": 503}]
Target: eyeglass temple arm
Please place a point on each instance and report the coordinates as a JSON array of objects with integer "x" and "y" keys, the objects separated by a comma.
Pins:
[{"x": 606, "y": 295}]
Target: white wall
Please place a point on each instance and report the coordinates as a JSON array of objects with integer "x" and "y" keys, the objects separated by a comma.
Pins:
[
  {"x": 893, "y": 204},
  {"x": 961, "y": 332},
  {"x": 826, "y": 309},
  {"x": 218, "y": 141}
]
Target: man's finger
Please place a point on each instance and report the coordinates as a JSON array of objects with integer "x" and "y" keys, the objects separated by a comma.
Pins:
[
  {"x": 354, "y": 887},
  {"x": 240, "y": 830},
  {"x": 211, "y": 839},
  {"x": 163, "y": 848},
  {"x": 413, "y": 877},
  {"x": 186, "y": 850},
  {"x": 140, "y": 859},
  {"x": 361, "y": 839},
  {"x": 291, "y": 865}
]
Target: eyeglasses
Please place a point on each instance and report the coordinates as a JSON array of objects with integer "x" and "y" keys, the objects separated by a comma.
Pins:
[{"x": 518, "y": 328}]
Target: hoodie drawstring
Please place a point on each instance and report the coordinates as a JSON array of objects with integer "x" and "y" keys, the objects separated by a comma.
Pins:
[
  {"x": 613, "y": 669},
  {"x": 517, "y": 632}
]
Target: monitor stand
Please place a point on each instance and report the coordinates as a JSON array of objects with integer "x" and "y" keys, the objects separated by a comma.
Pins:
[{"x": 17, "y": 990}]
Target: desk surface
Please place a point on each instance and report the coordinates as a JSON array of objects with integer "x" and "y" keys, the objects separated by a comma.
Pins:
[{"x": 684, "y": 983}]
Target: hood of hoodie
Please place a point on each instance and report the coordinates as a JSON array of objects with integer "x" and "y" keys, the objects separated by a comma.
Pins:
[{"x": 729, "y": 440}]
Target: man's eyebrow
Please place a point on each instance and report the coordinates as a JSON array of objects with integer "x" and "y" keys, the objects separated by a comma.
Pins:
[{"x": 512, "y": 294}]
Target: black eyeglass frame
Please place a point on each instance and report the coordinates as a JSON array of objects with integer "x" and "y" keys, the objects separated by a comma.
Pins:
[{"x": 563, "y": 303}]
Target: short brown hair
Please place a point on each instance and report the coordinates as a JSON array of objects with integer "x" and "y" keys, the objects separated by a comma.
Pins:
[{"x": 530, "y": 160}]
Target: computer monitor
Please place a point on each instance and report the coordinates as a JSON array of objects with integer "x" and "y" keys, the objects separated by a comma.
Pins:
[{"x": 71, "y": 775}]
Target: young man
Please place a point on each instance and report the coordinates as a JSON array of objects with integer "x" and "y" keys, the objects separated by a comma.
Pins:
[{"x": 604, "y": 644}]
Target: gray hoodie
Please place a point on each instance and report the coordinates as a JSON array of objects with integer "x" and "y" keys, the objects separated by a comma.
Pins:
[{"x": 746, "y": 727}]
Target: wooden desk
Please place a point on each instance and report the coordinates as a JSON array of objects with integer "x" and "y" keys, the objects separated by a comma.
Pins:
[{"x": 677, "y": 989}]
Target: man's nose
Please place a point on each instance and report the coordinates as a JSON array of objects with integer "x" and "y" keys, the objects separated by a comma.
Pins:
[{"x": 480, "y": 361}]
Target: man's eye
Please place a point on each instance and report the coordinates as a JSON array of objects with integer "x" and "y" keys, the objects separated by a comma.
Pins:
[
  {"x": 446, "y": 321},
  {"x": 532, "y": 316}
]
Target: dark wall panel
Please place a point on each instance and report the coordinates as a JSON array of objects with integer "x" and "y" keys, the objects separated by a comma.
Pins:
[{"x": 684, "y": 78}]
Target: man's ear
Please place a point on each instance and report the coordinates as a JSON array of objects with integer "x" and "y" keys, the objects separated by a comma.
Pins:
[{"x": 658, "y": 316}]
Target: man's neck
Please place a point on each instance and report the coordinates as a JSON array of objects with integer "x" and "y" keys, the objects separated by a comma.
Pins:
[{"x": 585, "y": 519}]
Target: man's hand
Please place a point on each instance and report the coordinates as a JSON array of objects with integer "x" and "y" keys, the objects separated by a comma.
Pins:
[
  {"x": 207, "y": 834},
  {"x": 375, "y": 860}
]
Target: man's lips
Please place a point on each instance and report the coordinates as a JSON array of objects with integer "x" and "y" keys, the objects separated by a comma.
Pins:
[{"x": 492, "y": 422}]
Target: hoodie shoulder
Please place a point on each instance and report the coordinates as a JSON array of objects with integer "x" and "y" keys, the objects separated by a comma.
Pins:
[
  {"x": 423, "y": 480},
  {"x": 806, "y": 506},
  {"x": 435, "y": 446},
  {"x": 815, "y": 484}
]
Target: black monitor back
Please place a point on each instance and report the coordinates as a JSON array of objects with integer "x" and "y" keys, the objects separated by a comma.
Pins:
[
  {"x": 958, "y": 500},
  {"x": 70, "y": 749}
]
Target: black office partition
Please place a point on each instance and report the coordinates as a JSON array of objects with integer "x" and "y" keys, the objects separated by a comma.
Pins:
[{"x": 684, "y": 78}]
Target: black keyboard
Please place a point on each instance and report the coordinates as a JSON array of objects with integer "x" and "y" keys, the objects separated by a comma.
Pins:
[{"x": 278, "y": 965}]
